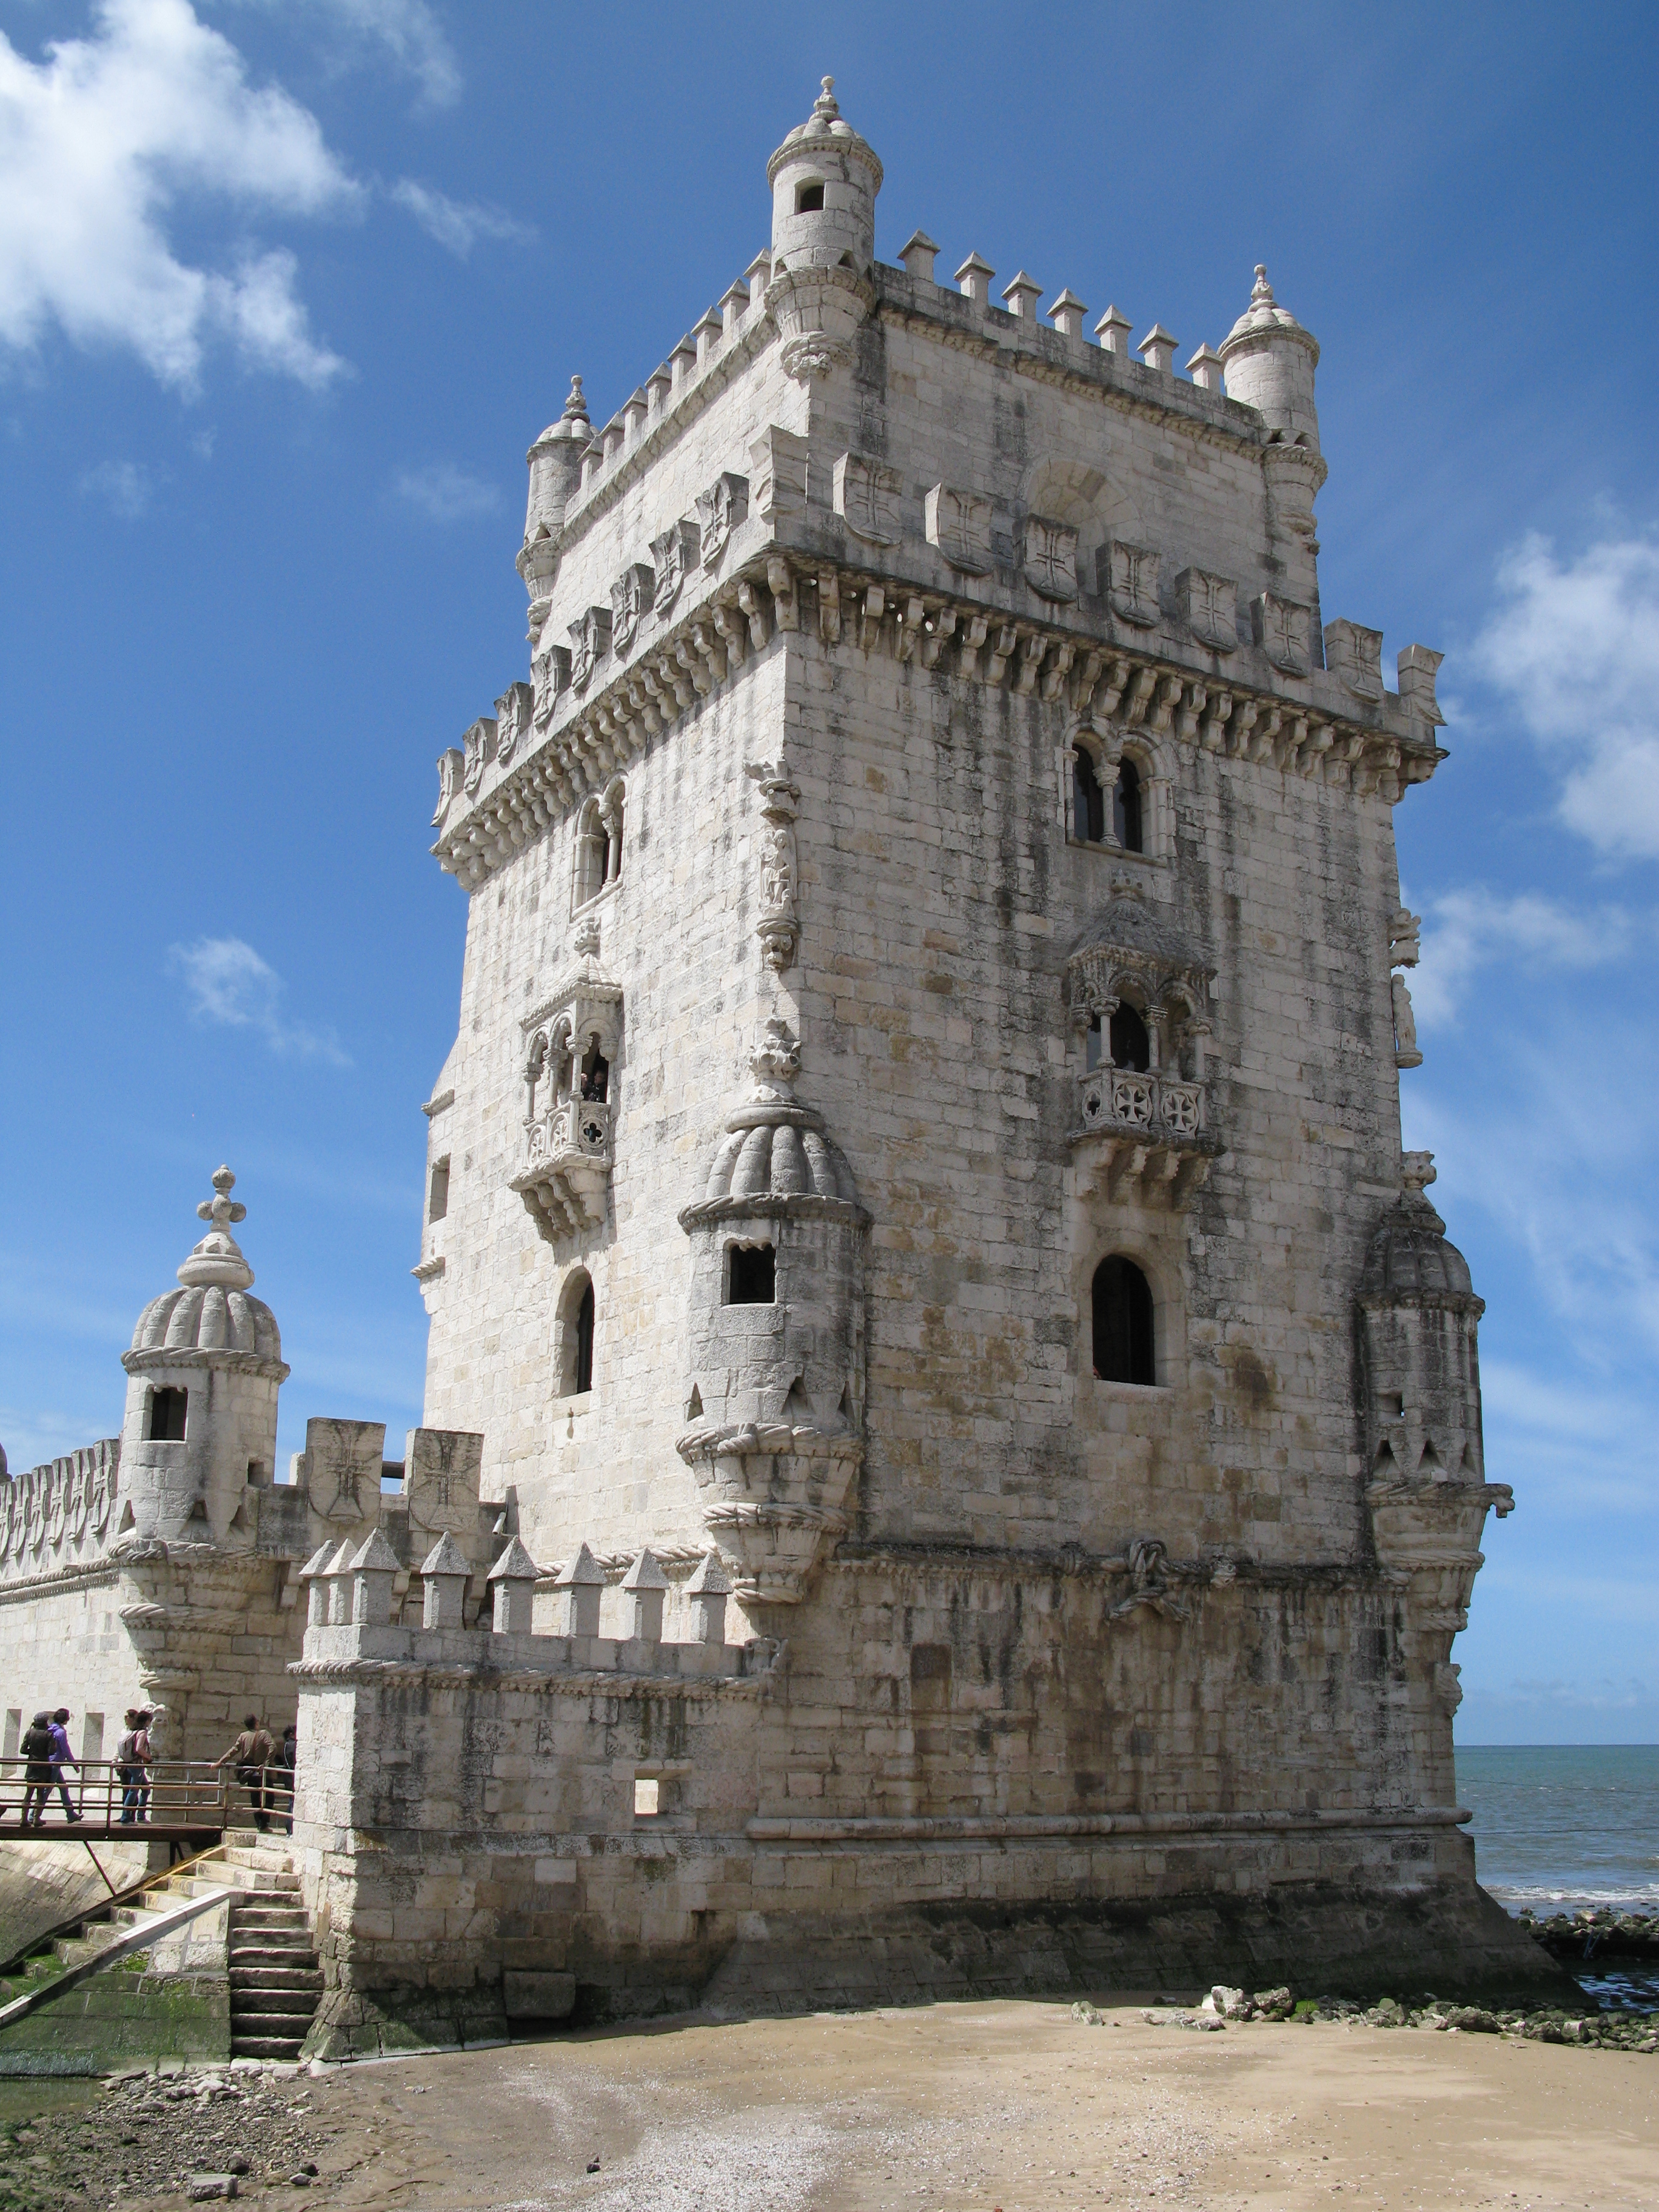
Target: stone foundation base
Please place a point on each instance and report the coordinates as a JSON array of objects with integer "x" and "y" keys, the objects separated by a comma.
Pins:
[{"x": 1321, "y": 1938}]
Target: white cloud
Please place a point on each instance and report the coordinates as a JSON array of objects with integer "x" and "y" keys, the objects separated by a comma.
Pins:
[
  {"x": 446, "y": 493},
  {"x": 1466, "y": 930},
  {"x": 229, "y": 984},
  {"x": 1575, "y": 648},
  {"x": 123, "y": 487},
  {"x": 456, "y": 224},
  {"x": 96, "y": 144}
]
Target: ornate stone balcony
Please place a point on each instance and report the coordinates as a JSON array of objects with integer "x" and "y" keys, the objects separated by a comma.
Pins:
[
  {"x": 1143, "y": 1133},
  {"x": 567, "y": 1162}
]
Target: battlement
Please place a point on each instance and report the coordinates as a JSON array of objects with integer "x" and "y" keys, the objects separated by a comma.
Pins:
[{"x": 60, "y": 1514}]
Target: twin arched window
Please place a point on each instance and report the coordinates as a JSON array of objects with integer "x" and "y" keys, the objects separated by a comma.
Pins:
[
  {"x": 1122, "y": 1317},
  {"x": 1090, "y": 801}
]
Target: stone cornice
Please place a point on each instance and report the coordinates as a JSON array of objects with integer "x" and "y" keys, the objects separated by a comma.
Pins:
[
  {"x": 228, "y": 1361},
  {"x": 1037, "y": 1827},
  {"x": 1164, "y": 687},
  {"x": 95, "y": 1574},
  {"x": 582, "y": 1682}
]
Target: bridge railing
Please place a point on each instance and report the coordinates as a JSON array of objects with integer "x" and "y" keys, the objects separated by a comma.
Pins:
[{"x": 179, "y": 1794}]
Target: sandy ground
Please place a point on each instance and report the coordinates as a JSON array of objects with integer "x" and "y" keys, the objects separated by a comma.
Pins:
[{"x": 965, "y": 2108}]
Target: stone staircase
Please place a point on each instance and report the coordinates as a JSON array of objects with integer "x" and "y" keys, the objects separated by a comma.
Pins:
[{"x": 275, "y": 1980}]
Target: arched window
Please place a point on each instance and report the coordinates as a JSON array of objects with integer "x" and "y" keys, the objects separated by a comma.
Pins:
[
  {"x": 1126, "y": 808},
  {"x": 599, "y": 842},
  {"x": 1123, "y": 1317},
  {"x": 576, "y": 1341},
  {"x": 1088, "y": 799},
  {"x": 1131, "y": 1046}
]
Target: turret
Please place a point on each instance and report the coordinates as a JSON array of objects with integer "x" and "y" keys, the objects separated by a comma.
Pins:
[
  {"x": 555, "y": 466},
  {"x": 205, "y": 1366},
  {"x": 824, "y": 181},
  {"x": 1269, "y": 361}
]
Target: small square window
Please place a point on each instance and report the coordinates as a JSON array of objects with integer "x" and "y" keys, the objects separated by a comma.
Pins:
[
  {"x": 752, "y": 1279},
  {"x": 648, "y": 1797}
]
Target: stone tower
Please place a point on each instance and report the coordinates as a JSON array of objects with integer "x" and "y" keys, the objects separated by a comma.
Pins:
[{"x": 919, "y": 1173}]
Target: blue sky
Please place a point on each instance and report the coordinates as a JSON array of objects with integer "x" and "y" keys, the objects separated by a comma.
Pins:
[{"x": 286, "y": 289}]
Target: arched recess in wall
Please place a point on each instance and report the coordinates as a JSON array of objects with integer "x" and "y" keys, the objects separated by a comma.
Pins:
[
  {"x": 1118, "y": 785},
  {"x": 599, "y": 858},
  {"x": 575, "y": 1333},
  {"x": 1123, "y": 1322}
]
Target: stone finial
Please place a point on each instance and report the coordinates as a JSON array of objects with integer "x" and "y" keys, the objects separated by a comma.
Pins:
[
  {"x": 373, "y": 1567},
  {"x": 707, "y": 1593},
  {"x": 444, "y": 1573},
  {"x": 513, "y": 1578},
  {"x": 337, "y": 1575},
  {"x": 1157, "y": 350},
  {"x": 775, "y": 1062},
  {"x": 218, "y": 1258},
  {"x": 1113, "y": 331},
  {"x": 315, "y": 1572},
  {"x": 974, "y": 280},
  {"x": 917, "y": 254},
  {"x": 575, "y": 407},
  {"x": 647, "y": 1584},
  {"x": 1417, "y": 1171},
  {"x": 1262, "y": 292},
  {"x": 734, "y": 305},
  {"x": 1022, "y": 295},
  {"x": 1205, "y": 369},
  {"x": 1067, "y": 314},
  {"x": 580, "y": 1582},
  {"x": 824, "y": 108},
  {"x": 708, "y": 330}
]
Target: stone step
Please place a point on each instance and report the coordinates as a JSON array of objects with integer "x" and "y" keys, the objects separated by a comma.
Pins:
[
  {"x": 277, "y": 1977},
  {"x": 247, "y": 1930},
  {"x": 270, "y": 2023},
  {"x": 272, "y": 1954},
  {"x": 265, "y": 2004},
  {"x": 265, "y": 2046}
]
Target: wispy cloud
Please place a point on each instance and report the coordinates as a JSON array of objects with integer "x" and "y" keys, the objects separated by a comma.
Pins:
[
  {"x": 1574, "y": 647},
  {"x": 457, "y": 224},
  {"x": 227, "y": 982},
  {"x": 1473, "y": 928},
  {"x": 96, "y": 144},
  {"x": 408, "y": 31},
  {"x": 444, "y": 493},
  {"x": 123, "y": 487}
]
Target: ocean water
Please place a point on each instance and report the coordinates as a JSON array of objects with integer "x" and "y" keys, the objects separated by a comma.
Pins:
[{"x": 1560, "y": 1825}]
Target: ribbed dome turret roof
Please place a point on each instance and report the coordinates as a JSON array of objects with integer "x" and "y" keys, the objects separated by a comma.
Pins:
[
  {"x": 1265, "y": 317},
  {"x": 211, "y": 1310},
  {"x": 1410, "y": 1256},
  {"x": 825, "y": 126},
  {"x": 773, "y": 1148}
]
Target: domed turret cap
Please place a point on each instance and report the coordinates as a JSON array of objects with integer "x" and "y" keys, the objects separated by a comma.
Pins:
[
  {"x": 212, "y": 1311},
  {"x": 1411, "y": 1261},
  {"x": 1265, "y": 318},
  {"x": 826, "y": 128},
  {"x": 775, "y": 1149}
]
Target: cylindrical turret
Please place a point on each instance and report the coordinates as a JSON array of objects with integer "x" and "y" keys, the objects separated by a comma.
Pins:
[
  {"x": 204, "y": 1368},
  {"x": 556, "y": 465},
  {"x": 1269, "y": 361},
  {"x": 824, "y": 180}
]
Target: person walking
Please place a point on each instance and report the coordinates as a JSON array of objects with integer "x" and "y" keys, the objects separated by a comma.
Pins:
[
  {"x": 283, "y": 1764},
  {"x": 130, "y": 1765},
  {"x": 61, "y": 1758},
  {"x": 251, "y": 1754},
  {"x": 36, "y": 1749},
  {"x": 140, "y": 1744}
]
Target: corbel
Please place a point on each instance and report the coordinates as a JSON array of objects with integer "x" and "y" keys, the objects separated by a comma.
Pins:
[
  {"x": 874, "y": 606},
  {"x": 1262, "y": 737},
  {"x": 780, "y": 582},
  {"x": 1056, "y": 669},
  {"x": 938, "y": 628},
  {"x": 754, "y": 609},
  {"x": 670, "y": 676},
  {"x": 1161, "y": 713},
  {"x": 1141, "y": 693},
  {"x": 707, "y": 644},
  {"x": 1288, "y": 742},
  {"x": 1117, "y": 676},
  {"x": 734, "y": 633},
  {"x": 829, "y": 606},
  {"x": 909, "y": 627},
  {"x": 1195, "y": 699},
  {"x": 973, "y": 631},
  {"x": 1084, "y": 681},
  {"x": 691, "y": 660},
  {"x": 1238, "y": 730},
  {"x": 1030, "y": 645},
  {"x": 1212, "y": 733},
  {"x": 1002, "y": 649}
]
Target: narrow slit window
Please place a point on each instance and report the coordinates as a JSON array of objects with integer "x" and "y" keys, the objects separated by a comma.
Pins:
[
  {"x": 166, "y": 1416},
  {"x": 1122, "y": 1316},
  {"x": 584, "y": 1376},
  {"x": 1088, "y": 799},
  {"x": 437, "y": 1196},
  {"x": 753, "y": 1277},
  {"x": 1127, "y": 808}
]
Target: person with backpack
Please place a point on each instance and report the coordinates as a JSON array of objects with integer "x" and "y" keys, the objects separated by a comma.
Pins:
[
  {"x": 61, "y": 1758},
  {"x": 131, "y": 1759},
  {"x": 283, "y": 1763},
  {"x": 36, "y": 1749},
  {"x": 251, "y": 1755}
]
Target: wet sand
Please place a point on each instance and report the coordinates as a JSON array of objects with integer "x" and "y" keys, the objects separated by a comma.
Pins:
[{"x": 965, "y": 2108}]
